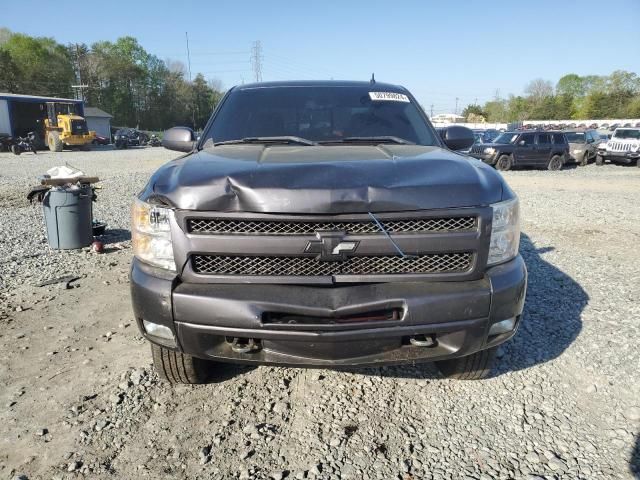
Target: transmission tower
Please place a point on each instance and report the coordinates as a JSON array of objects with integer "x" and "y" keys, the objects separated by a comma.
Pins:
[{"x": 256, "y": 60}]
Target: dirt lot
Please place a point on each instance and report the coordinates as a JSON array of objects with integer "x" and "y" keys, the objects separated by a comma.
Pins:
[{"x": 78, "y": 397}]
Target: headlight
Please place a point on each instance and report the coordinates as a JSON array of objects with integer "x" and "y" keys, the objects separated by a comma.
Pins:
[
  {"x": 505, "y": 232},
  {"x": 635, "y": 148},
  {"x": 151, "y": 234},
  {"x": 490, "y": 150}
]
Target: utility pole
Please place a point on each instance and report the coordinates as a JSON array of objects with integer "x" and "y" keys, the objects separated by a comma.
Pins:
[
  {"x": 456, "y": 112},
  {"x": 256, "y": 60},
  {"x": 79, "y": 92},
  {"x": 431, "y": 116}
]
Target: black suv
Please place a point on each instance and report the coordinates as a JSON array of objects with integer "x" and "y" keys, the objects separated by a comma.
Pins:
[
  {"x": 325, "y": 224},
  {"x": 527, "y": 149},
  {"x": 126, "y": 137}
]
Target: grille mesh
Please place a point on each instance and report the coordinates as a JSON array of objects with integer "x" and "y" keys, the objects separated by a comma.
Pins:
[
  {"x": 310, "y": 266},
  {"x": 270, "y": 227}
]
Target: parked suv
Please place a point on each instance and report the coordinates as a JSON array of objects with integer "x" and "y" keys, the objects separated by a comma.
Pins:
[
  {"x": 583, "y": 145},
  {"x": 622, "y": 147},
  {"x": 324, "y": 224},
  {"x": 548, "y": 149},
  {"x": 126, "y": 137}
]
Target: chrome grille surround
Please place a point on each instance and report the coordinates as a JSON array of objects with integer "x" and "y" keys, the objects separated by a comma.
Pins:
[
  {"x": 457, "y": 262},
  {"x": 226, "y": 226}
]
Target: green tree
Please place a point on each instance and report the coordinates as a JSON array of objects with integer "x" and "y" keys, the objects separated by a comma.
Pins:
[
  {"x": 475, "y": 110},
  {"x": 572, "y": 85},
  {"x": 40, "y": 66}
]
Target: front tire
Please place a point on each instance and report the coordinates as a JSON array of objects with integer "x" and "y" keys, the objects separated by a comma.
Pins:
[
  {"x": 15, "y": 149},
  {"x": 472, "y": 367},
  {"x": 555, "y": 163},
  {"x": 54, "y": 142},
  {"x": 599, "y": 160},
  {"x": 504, "y": 163},
  {"x": 585, "y": 160},
  {"x": 176, "y": 367}
]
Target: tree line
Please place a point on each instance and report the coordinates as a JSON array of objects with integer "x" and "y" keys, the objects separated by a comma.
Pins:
[
  {"x": 121, "y": 77},
  {"x": 573, "y": 97}
]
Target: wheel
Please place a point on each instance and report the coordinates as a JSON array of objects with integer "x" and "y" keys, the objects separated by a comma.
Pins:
[
  {"x": 15, "y": 149},
  {"x": 585, "y": 159},
  {"x": 504, "y": 163},
  {"x": 599, "y": 160},
  {"x": 472, "y": 367},
  {"x": 54, "y": 142},
  {"x": 638, "y": 163},
  {"x": 176, "y": 367},
  {"x": 555, "y": 163}
]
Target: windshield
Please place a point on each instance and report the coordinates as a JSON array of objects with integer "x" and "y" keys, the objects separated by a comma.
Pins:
[
  {"x": 575, "y": 137},
  {"x": 507, "y": 137},
  {"x": 635, "y": 134},
  {"x": 320, "y": 114}
]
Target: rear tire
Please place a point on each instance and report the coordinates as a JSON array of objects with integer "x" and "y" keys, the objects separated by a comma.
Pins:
[
  {"x": 504, "y": 163},
  {"x": 176, "y": 367},
  {"x": 599, "y": 160},
  {"x": 54, "y": 142},
  {"x": 472, "y": 367},
  {"x": 555, "y": 163}
]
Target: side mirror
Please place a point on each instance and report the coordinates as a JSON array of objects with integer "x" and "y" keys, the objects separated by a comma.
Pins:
[
  {"x": 522, "y": 143},
  {"x": 456, "y": 137},
  {"x": 181, "y": 139}
]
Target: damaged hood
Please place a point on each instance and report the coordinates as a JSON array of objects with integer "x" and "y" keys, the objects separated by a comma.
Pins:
[{"x": 324, "y": 179}]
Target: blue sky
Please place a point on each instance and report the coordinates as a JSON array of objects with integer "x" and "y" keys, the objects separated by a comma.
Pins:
[{"x": 440, "y": 50}]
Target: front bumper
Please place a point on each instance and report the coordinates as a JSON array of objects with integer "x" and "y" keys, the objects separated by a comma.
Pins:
[
  {"x": 620, "y": 157},
  {"x": 488, "y": 158},
  {"x": 455, "y": 316}
]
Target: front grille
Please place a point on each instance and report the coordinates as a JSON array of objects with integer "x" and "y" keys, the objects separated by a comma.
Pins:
[
  {"x": 212, "y": 226},
  {"x": 310, "y": 266},
  {"x": 477, "y": 149},
  {"x": 619, "y": 147}
]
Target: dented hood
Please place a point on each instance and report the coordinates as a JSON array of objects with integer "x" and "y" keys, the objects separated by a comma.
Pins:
[{"x": 324, "y": 179}]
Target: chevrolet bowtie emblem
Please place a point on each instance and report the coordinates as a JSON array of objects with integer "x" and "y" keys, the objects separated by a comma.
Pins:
[{"x": 331, "y": 247}]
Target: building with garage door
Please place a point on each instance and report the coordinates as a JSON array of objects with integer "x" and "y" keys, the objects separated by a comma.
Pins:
[{"x": 99, "y": 121}]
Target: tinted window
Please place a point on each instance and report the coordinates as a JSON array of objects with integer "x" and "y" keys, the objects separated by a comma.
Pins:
[
  {"x": 558, "y": 138},
  {"x": 573, "y": 137},
  {"x": 544, "y": 138},
  {"x": 527, "y": 138},
  {"x": 627, "y": 134},
  {"x": 318, "y": 113},
  {"x": 507, "y": 137}
]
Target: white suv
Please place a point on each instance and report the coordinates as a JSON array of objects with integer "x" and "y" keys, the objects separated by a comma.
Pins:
[{"x": 623, "y": 147}]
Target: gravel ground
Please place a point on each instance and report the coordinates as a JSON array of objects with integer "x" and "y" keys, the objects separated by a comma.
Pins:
[{"x": 78, "y": 397}]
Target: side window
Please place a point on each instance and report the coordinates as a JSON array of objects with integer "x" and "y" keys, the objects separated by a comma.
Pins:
[
  {"x": 528, "y": 139},
  {"x": 558, "y": 138},
  {"x": 544, "y": 139}
]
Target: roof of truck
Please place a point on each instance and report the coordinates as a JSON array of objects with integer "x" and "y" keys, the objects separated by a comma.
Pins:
[
  {"x": 322, "y": 83},
  {"x": 18, "y": 96}
]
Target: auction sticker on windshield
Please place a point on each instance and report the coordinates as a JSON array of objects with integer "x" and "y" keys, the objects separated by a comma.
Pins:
[{"x": 388, "y": 97}]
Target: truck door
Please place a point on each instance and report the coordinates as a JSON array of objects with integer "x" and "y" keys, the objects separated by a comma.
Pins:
[
  {"x": 542, "y": 149},
  {"x": 51, "y": 114},
  {"x": 524, "y": 151}
]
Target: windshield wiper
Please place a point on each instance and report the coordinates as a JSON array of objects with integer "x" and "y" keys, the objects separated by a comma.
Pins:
[
  {"x": 282, "y": 139},
  {"x": 375, "y": 139}
]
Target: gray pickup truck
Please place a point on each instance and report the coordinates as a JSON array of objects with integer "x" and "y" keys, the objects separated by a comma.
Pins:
[{"x": 324, "y": 224}]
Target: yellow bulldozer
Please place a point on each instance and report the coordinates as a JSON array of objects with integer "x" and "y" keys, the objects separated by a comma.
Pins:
[{"x": 63, "y": 127}]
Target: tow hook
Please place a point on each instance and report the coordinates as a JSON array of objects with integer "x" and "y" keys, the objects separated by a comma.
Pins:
[
  {"x": 244, "y": 345},
  {"x": 422, "y": 341}
]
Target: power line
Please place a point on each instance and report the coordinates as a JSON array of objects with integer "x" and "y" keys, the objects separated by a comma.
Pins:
[{"x": 256, "y": 60}]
